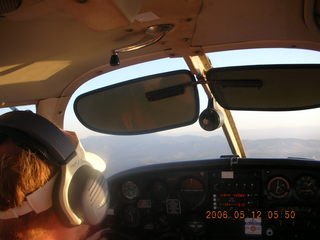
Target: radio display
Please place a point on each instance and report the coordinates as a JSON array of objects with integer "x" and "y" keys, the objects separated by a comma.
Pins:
[{"x": 235, "y": 191}]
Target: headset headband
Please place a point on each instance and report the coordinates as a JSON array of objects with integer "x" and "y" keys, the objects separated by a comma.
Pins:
[
  {"x": 38, "y": 201},
  {"x": 40, "y": 129}
]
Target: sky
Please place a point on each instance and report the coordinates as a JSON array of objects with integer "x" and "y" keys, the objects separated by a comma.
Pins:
[{"x": 251, "y": 125}]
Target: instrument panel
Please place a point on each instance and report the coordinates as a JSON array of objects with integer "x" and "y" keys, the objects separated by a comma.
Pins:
[{"x": 216, "y": 199}]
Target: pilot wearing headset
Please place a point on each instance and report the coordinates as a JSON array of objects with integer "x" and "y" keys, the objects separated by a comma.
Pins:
[{"x": 48, "y": 188}]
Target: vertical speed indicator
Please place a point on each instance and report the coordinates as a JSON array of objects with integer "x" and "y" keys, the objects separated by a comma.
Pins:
[{"x": 306, "y": 187}]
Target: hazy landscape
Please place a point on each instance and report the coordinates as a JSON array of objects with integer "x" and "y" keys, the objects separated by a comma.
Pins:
[{"x": 126, "y": 152}]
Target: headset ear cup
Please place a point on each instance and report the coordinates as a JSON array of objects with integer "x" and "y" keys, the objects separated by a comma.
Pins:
[
  {"x": 56, "y": 203},
  {"x": 88, "y": 195}
]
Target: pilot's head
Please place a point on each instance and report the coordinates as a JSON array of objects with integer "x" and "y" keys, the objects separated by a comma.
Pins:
[{"x": 47, "y": 183}]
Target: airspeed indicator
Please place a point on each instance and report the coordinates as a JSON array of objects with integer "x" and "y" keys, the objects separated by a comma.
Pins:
[{"x": 130, "y": 190}]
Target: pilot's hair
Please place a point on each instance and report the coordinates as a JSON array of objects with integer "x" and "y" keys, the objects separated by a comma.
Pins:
[{"x": 21, "y": 172}]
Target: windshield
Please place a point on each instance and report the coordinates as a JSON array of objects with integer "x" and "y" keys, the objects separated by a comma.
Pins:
[
  {"x": 264, "y": 134},
  {"x": 125, "y": 152}
]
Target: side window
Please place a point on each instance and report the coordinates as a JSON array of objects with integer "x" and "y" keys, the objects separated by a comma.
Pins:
[
  {"x": 125, "y": 152},
  {"x": 26, "y": 107}
]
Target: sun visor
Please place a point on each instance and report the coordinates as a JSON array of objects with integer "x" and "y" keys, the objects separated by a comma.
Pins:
[{"x": 282, "y": 87}]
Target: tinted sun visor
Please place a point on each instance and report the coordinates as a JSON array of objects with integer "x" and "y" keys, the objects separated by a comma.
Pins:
[
  {"x": 144, "y": 105},
  {"x": 266, "y": 87}
]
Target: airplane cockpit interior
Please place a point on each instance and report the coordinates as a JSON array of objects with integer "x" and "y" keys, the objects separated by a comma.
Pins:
[{"x": 206, "y": 112}]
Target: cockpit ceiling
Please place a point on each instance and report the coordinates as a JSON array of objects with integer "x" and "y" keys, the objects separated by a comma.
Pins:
[
  {"x": 48, "y": 48},
  {"x": 271, "y": 23}
]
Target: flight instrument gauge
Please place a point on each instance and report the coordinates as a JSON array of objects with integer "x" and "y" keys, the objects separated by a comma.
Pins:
[
  {"x": 130, "y": 190},
  {"x": 131, "y": 216},
  {"x": 192, "y": 192},
  {"x": 278, "y": 187},
  {"x": 306, "y": 187},
  {"x": 159, "y": 190}
]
